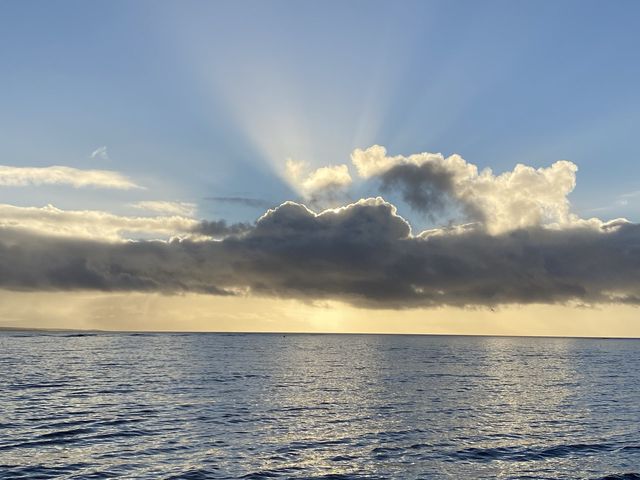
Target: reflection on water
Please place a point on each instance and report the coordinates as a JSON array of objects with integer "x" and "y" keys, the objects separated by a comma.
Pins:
[{"x": 317, "y": 406}]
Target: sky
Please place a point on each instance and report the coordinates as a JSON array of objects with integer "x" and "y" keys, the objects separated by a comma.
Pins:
[{"x": 403, "y": 167}]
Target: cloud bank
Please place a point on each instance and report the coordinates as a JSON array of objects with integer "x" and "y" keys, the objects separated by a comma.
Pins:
[
  {"x": 522, "y": 245},
  {"x": 363, "y": 253}
]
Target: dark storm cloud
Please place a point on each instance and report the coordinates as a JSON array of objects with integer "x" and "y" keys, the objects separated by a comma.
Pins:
[{"x": 363, "y": 254}]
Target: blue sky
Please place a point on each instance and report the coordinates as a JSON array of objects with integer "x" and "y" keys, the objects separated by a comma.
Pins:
[{"x": 207, "y": 99}]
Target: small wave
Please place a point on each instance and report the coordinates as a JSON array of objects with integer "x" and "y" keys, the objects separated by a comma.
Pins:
[
  {"x": 40, "y": 471},
  {"x": 64, "y": 424},
  {"x": 118, "y": 421},
  {"x": 98, "y": 475},
  {"x": 420, "y": 446},
  {"x": 53, "y": 439},
  {"x": 66, "y": 433},
  {"x": 123, "y": 434},
  {"x": 620, "y": 476},
  {"x": 385, "y": 450},
  {"x": 31, "y": 386},
  {"x": 274, "y": 473},
  {"x": 299, "y": 445},
  {"x": 522, "y": 454},
  {"x": 194, "y": 474},
  {"x": 336, "y": 476},
  {"x": 342, "y": 458}
]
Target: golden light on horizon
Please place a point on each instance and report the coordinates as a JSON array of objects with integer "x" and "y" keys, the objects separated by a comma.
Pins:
[{"x": 195, "y": 312}]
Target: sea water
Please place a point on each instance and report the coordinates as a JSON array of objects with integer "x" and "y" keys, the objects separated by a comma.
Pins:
[{"x": 160, "y": 406}]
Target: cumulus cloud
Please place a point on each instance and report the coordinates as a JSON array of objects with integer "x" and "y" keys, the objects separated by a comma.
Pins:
[
  {"x": 363, "y": 253},
  {"x": 185, "y": 209},
  {"x": 524, "y": 197},
  {"x": 324, "y": 185},
  {"x": 327, "y": 177},
  {"x": 59, "y": 175}
]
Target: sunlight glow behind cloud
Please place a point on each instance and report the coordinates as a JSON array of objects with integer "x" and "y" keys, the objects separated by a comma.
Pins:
[{"x": 521, "y": 198}]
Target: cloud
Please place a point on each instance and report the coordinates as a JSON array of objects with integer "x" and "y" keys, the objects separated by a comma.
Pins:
[
  {"x": 374, "y": 160},
  {"x": 91, "y": 224},
  {"x": 426, "y": 188},
  {"x": 522, "y": 246},
  {"x": 59, "y": 175},
  {"x": 220, "y": 228},
  {"x": 522, "y": 198},
  {"x": 100, "y": 153},
  {"x": 245, "y": 201},
  {"x": 336, "y": 176},
  {"x": 185, "y": 209},
  {"x": 363, "y": 253},
  {"x": 322, "y": 186}
]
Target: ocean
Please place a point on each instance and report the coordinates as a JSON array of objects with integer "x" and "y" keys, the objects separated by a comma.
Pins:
[{"x": 199, "y": 406}]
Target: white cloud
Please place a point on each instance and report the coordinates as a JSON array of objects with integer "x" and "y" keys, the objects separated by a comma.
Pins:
[
  {"x": 327, "y": 177},
  {"x": 60, "y": 175},
  {"x": 91, "y": 224},
  {"x": 521, "y": 198},
  {"x": 100, "y": 153},
  {"x": 312, "y": 183},
  {"x": 374, "y": 160},
  {"x": 185, "y": 209}
]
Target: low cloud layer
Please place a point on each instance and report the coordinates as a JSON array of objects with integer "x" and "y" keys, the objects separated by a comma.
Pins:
[
  {"x": 91, "y": 224},
  {"x": 363, "y": 253},
  {"x": 59, "y": 175}
]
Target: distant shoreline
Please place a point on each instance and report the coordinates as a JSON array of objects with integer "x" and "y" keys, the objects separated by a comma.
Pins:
[{"x": 181, "y": 332}]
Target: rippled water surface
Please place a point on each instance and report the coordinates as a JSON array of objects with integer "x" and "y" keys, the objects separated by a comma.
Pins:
[{"x": 317, "y": 406}]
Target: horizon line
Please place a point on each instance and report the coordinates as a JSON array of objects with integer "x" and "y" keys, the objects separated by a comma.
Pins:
[{"x": 234, "y": 332}]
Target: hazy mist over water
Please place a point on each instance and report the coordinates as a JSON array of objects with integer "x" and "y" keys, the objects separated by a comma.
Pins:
[{"x": 317, "y": 406}]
